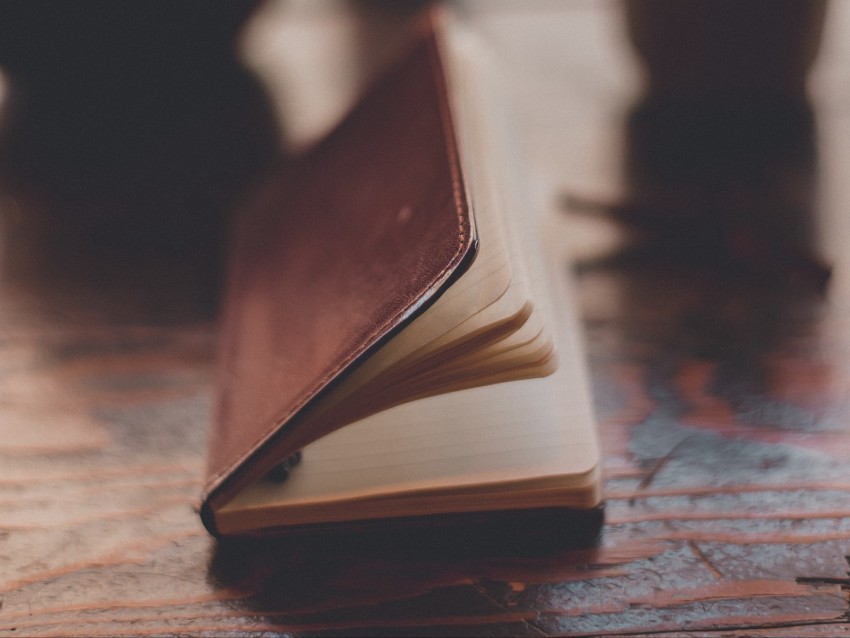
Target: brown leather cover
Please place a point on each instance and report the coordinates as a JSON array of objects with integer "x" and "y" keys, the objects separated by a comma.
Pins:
[{"x": 342, "y": 248}]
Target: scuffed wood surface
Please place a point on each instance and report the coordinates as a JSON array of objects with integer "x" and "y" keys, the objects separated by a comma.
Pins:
[{"x": 724, "y": 418}]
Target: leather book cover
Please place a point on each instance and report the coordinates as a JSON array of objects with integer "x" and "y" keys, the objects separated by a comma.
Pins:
[{"x": 342, "y": 248}]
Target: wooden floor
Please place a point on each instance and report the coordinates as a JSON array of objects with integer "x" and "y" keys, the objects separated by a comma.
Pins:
[{"x": 721, "y": 378}]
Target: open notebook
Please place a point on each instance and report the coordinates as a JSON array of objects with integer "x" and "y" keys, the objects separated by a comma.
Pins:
[{"x": 396, "y": 309}]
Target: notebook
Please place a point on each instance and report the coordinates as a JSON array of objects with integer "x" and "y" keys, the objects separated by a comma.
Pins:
[{"x": 399, "y": 319}]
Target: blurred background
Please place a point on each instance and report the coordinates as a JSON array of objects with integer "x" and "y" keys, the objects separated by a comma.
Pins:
[{"x": 131, "y": 133}]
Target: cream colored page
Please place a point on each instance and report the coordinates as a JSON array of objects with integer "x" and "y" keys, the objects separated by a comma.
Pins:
[
  {"x": 504, "y": 432},
  {"x": 510, "y": 356},
  {"x": 545, "y": 247}
]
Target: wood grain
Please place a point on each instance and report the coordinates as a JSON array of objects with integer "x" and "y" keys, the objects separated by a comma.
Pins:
[{"x": 722, "y": 401}]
